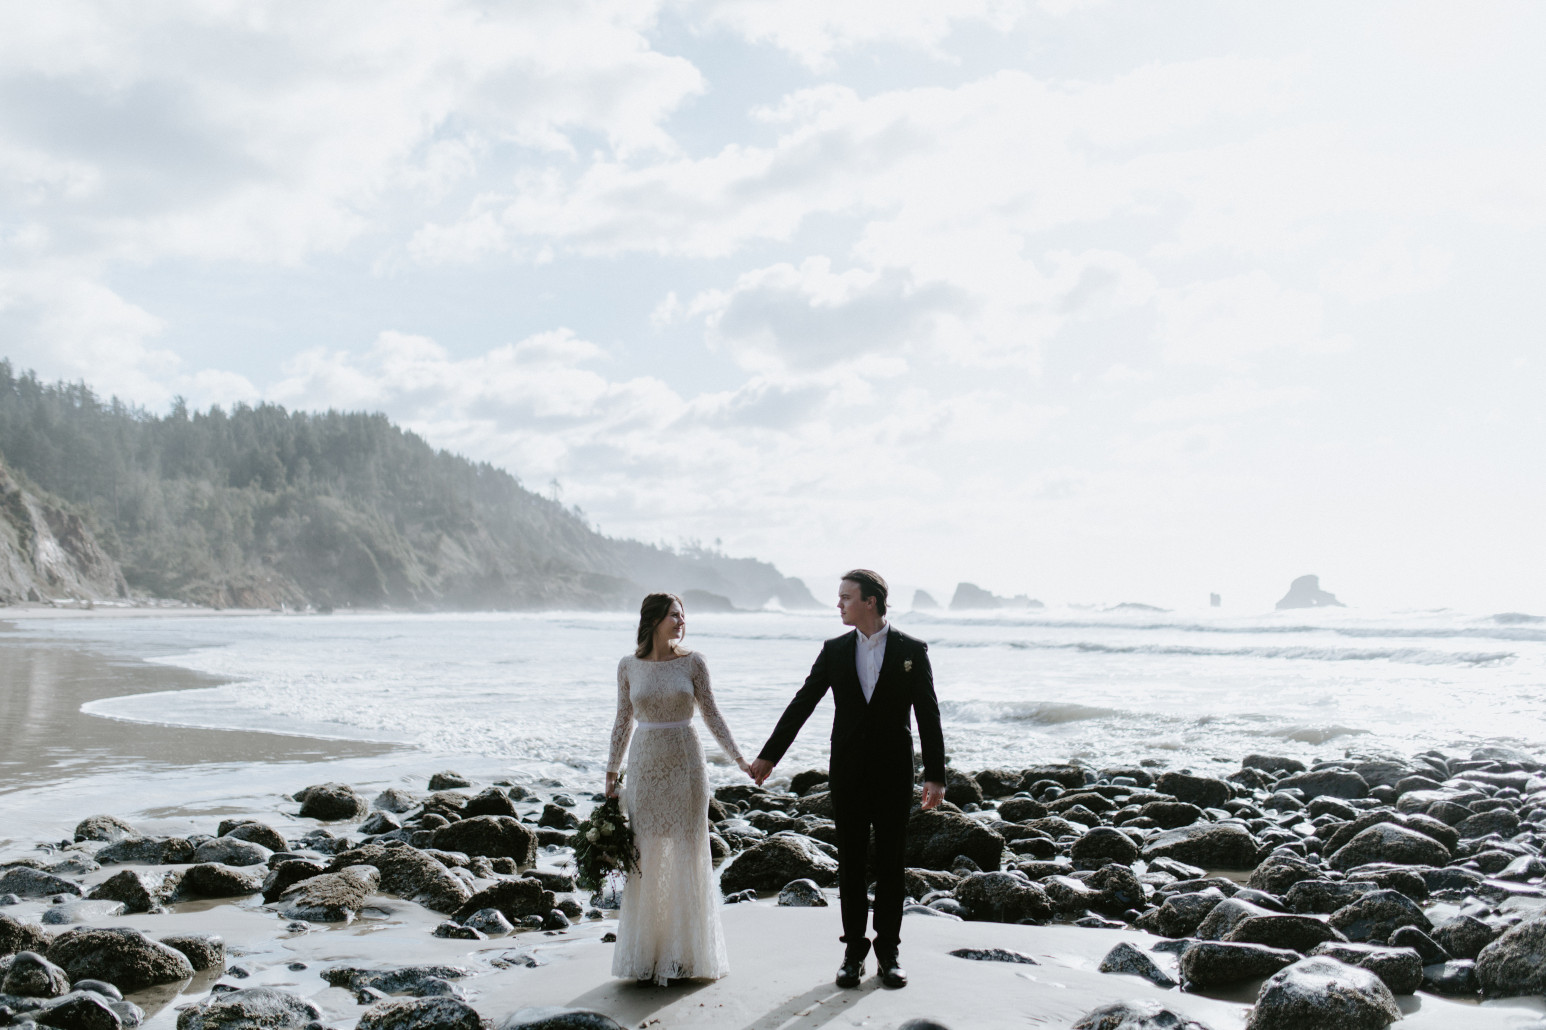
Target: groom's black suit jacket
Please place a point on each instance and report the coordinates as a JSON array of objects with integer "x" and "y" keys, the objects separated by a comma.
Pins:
[{"x": 872, "y": 742}]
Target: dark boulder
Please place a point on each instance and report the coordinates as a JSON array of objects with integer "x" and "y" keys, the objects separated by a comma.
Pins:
[
  {"x": 136, "y": 891},
  {"x": 1272, "y": 764},
  {"x": 515, "y": 899},
  {"x": 1337, "y": 783},
  {"x": 147, "y": 851},
  {"x": 1103, "y": 844},
  {"x": 231, "y": 852},
  {"x": 801, "y": 894},
  {"x": 935, "y": 838},
  {"x": 1202, "y": 791},
  {"x": 256, "y": 833},
  {"x": 104, "y": 828},
  {"x": 1168, "y": 815},
  {"x": 331, "y": 897},
  {"x": 1002, "y": 898},
  {"x": 1126, "y": 958},
  {"x": 331, "y": 802},
  {"x": 432, "y": 1013},
  {"x": 30, "y": 975},
  {"x": 1451, "y": 978},
  {"x": 1499, "y": 820},
  {"x": 27, "y": 882},
  {"x": 1373, "y": 917},
  {"x": 1279, "y": 871},
  {"x": 1515, "y": 963},
  {"x": 918, "y": 882},
  {"x": 1019, "y": 810},
  {"x": 82, "y": 1010},
  {"x": 1225, "y": 916},
  {"x": 410, "y": 874},
  {"x": 1297, "y": 933},
  {"x": 1135, "y": 1015},
  {"x": 202, "y": 950},
  {"x": 1323, "y": 897},
  {"x": 250, "y": 1008},
  {"x": 496, "y": 836},
  {"x": 1400, "y": 968},
  {"x": 556, "y": 1018},
  {"x": 1211, "y": 845},
  {"x": 1389, "y": 842},
  {"x": 123, "y": 957},
  {"x": 448, "y": 780},
  {"x": 1322, "y": 992},
  {"x": 775, "y": 861},
  {"x": 1210, "y": 964},
  {"x": 212, "y": 880},
  {"x": 490, "y": 801},
  {"x": 1465, "y": 936},
  {"x": 286, "y": 875},
  {"x": 17, "y": 936},
  {"x": 1180, "y": 914}
]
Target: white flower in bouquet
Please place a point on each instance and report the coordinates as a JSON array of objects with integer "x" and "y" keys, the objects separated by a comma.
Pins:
[{"x": 592, "y": 836}]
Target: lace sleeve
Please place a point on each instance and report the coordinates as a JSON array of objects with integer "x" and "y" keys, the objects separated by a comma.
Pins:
[
  {"x": 622, "y": 729},
  {"x": 704, "y": 695}
]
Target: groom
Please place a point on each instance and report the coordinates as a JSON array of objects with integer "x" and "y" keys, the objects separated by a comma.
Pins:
[{"x": 878, "y": 676}]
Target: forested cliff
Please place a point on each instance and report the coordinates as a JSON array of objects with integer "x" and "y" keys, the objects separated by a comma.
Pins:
[{"x": 261, "y": 507}]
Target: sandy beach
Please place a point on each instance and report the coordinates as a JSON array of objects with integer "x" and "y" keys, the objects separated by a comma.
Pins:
[
  {"x": 782, "y": 965},
  {"x": 61, "y": 765}
]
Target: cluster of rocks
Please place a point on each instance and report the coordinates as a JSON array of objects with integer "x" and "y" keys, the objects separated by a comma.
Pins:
[
  {"x": 469, "y": 855},
  {"x": 1353, "y": 879},
  {"x": 1337, "y": 867}
]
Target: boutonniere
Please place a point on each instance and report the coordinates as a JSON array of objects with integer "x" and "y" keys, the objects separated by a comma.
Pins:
[{"x": 907, "y": 666}]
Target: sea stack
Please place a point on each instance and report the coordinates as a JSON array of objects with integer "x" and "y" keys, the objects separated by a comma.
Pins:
[{"x": 1306, "y": 592}]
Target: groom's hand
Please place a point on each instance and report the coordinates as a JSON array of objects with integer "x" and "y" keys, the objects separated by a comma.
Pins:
[
  {"x": 933, "y": 794},
  {"x": 761, "y": 769}
]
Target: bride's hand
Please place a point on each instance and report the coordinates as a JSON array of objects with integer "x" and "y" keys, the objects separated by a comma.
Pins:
[
  {"x": 611, "y": 785},
  {"x": 746, "y": 767}
]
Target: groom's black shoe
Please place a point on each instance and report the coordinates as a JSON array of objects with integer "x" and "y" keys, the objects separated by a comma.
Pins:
[
  {"x": 891, "y": 973},
  {"x": 851, "y": 971}
]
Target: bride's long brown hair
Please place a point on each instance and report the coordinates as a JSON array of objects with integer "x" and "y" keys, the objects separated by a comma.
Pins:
[{"x": 655, "y": 608}]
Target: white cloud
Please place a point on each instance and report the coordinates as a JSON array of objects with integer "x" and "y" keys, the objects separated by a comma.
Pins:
[
  {"x": 1223, "y": 321},
  {"x": 815, "y": 30}
]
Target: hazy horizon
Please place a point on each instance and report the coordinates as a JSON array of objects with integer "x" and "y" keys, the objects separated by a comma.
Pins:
[{"x": 1088, "y": 300}]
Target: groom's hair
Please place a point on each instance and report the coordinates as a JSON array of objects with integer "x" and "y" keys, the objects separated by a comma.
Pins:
[{"x": 870, "y": 585}]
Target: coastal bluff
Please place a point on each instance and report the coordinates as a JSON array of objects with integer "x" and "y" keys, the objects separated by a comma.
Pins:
[
  {"x": 48, "y": 553},
  {"x": 260, "y": 507}
]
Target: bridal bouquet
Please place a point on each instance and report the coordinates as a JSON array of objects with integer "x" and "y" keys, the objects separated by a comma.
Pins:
[{"x": 603, "y": 844}]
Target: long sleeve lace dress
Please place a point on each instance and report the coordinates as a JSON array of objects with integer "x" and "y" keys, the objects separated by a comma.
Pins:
[{"x": 669, "y": 925}]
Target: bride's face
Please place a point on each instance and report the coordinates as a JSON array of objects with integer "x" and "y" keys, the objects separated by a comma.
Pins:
[{"x": 673, "y": 626}]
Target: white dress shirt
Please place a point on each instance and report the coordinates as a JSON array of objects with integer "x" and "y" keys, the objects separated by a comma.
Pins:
[{"x": 869, "y": 654}]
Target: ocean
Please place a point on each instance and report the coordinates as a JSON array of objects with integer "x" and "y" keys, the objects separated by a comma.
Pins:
[{"x": 380, "y": 699}]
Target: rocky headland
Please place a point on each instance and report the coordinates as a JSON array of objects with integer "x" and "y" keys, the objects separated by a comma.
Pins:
[{"x": 1330, "y": 892}]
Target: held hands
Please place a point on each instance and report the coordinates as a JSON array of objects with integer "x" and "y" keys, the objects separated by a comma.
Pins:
[
  {"x": 759, "y": 770},
  {"x": 933, "y": 794}
]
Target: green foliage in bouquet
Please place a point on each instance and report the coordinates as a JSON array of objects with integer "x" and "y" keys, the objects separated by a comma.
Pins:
[{"x": 603, "y": 843}]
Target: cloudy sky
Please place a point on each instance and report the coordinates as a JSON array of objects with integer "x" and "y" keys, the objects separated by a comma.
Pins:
[{"x": 1088, "y": 300}]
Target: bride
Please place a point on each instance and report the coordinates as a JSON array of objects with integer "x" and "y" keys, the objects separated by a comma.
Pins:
[{"x": 669, "y": 925}]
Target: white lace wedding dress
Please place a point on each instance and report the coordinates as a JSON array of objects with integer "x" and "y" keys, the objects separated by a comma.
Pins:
[{"x": 669, "y": 926}]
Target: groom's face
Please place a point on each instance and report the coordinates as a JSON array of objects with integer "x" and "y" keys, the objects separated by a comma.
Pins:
[{"x": 849, "y": 605}]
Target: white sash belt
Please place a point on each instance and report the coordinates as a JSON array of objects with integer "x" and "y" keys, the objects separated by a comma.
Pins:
[{"x": 664, "y": 725}]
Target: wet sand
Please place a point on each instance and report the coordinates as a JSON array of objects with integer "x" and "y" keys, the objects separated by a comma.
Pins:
[{"x": 56, "y": 759}]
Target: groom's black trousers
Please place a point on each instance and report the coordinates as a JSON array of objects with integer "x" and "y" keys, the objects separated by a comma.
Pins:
[{"x": 861, "y": 806}]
